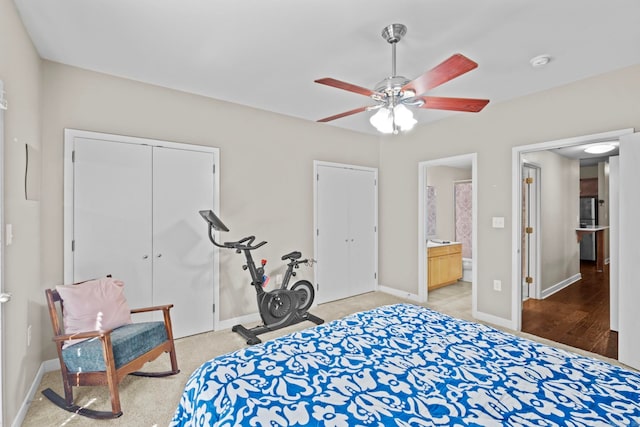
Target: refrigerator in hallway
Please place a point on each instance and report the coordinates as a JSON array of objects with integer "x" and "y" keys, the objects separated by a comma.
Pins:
[{"x": 588, "y": 218}]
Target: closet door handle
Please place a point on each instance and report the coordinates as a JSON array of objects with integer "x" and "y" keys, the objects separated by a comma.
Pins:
[
  {"x": 145, "y": 256},
  {"x": 159, "y": 256}
]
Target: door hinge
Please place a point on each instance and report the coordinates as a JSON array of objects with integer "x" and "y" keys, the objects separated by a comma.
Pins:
[
  {"x": 528, "y": 230},
  {"x": 528, "y": 180},
  {"x": 214, "y": 308},
  {"x": 528, "y": 279},
  {"x": 375, "y": 182},
  {"x": 73, "y": 245},
  {"x": 317, "y": 286},
  {"x": 73, "y": 156},
  {"x": 317, "y": 231},
  {"x": 375, "y": 229},
  {"x": 317, "y": 177},
  {"x": 214, "y": 168},
  {"x": 375, "y": 275}
]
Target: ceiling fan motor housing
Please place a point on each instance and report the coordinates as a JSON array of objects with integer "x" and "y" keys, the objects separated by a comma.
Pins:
[{"x": 391, "y": 87}]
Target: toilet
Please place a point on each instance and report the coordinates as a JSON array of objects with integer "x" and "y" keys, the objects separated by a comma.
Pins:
[{"x": 467, "y": 269}]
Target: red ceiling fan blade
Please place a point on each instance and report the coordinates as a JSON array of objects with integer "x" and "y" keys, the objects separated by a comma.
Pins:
[
  {"x": 449, "y": 69},
  {"x": 470, "y": 105},
  {"x": 346, "y": 113},
  {"x": 347, "y": 86}
]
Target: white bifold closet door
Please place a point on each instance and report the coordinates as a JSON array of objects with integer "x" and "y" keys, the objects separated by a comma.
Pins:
[
  {"x": 112, "y": 208},
  {"x": 346, "y": 236},
  {"x": 135, "y": 216}
]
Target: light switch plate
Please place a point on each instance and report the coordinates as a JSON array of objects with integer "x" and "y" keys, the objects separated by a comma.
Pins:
[
  {"x": 8, "y": 235},
  {"x": 498, "y": 222}
]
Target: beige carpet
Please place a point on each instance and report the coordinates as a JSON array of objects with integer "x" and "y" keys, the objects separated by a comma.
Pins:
[{"x": 152, "y": 401}]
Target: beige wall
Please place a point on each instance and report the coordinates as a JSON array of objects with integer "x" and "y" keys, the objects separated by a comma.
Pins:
[
  {"x": 20, "y": 70},
  {"x": 442, "y": 178},
  {"x": 559, "y": 211},
  {"x": 266, "y": 164},
  {"x": 598, "y": 104}
]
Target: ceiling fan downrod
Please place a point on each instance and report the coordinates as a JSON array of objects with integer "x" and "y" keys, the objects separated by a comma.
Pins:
[{"x": 393, "y": 34}]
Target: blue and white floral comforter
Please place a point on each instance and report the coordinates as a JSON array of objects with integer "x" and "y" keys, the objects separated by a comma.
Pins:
[{"x": 404, "y": 365}]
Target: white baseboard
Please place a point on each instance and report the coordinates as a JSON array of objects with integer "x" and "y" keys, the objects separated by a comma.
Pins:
[
  {"x": 398, "y": 293},
  {"x": 229, "y": 323},
  {"x": 560, "y": 285},
  {"x": 46, "y": 366},
  {"x": 494, "y": 320}
]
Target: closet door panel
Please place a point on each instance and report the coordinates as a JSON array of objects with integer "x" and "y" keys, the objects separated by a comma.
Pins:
[
  {"x": 111, "y": 215},
  {"x": 333, "y": 234},
  {"x": 182, "y": 254},
  {"x": 361, "y": 214}
]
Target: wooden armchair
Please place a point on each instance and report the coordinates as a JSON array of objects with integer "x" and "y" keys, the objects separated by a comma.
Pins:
[{"x": 106, "y": 357}]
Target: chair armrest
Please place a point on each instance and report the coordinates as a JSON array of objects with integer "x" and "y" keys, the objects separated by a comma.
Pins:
[
  {"x": 155, "y": 308},
  {"x": 81, "y": 335}
]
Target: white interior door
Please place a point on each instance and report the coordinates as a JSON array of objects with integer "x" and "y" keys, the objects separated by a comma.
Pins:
[
  {"x": 346, "y": 221},
  {"x": 530, "y": 232},
  {"x": 112, "y": 215},
  {"x": 362, "y": 231},
  {"x": 629, "y": 253},
  {"x": 332, "y": 233},
  {"x": 183, "y": 255}
]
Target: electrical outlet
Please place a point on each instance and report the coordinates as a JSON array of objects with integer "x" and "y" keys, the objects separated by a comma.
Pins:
[
  {"x": 29, "y": 336},
  {"x": 497, "y": 285}
]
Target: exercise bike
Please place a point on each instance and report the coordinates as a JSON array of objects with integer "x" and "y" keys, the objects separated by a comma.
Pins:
[{"x": 280, "y": 307}]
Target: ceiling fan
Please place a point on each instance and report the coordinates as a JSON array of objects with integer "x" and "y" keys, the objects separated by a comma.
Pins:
[{"x": 394, "y": 94}]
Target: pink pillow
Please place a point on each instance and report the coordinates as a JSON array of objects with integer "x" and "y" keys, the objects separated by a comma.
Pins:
[{"x": 95, "y": 305}]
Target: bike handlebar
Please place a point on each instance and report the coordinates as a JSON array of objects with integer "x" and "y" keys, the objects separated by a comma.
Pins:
[{"x": 242, "y": 246}]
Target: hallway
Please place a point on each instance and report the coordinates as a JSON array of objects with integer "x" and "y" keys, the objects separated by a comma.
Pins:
[{"x": 577, "y": 316}]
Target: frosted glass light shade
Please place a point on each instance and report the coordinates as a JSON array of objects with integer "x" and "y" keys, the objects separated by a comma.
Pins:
[
  {"x": 382, "y": 121},
  {"x": 404, "y": 117}
]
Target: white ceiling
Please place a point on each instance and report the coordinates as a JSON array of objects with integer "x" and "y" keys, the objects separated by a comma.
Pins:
[{"x": 266, "y": 54}]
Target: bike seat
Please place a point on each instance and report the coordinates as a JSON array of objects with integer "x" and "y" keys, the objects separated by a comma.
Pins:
[{"x": 292, "y": 255}]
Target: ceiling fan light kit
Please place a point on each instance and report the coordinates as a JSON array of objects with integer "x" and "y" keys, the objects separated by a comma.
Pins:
[{"x": 395, "y": 94}]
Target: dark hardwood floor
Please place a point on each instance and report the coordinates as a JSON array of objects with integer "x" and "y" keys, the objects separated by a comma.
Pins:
[{"x": 577, "y": 316}]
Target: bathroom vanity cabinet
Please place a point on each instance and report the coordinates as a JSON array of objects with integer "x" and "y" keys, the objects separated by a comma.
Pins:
[{"x": 444, "y": 264}]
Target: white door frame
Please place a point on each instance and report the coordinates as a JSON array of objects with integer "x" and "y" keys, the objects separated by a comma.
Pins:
[
  {"x": 316, "y": 164},
  {"x": 2, "y": 245},
  {"x": 422, "y": 241},
  {"x": 614, "y": 240},
  {"x": 71, "y": 134},
  {"x": 516, "y": 198}
]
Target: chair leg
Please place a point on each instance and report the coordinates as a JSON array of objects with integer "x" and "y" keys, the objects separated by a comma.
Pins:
[
  {"x": 174, "y": 359},
  {"x": 112, "y": 382}
]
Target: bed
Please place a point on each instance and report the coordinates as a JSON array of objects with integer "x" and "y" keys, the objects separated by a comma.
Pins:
[{"x": 405, "y": 365}]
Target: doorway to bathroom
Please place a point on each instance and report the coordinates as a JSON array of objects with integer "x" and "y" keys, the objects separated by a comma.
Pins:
[{"x": 448, "y": 226}]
